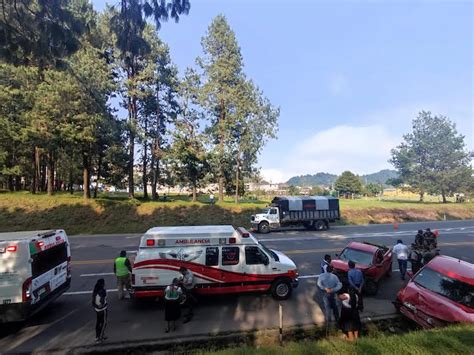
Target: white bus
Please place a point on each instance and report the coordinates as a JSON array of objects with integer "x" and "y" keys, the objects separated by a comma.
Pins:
[{"x": 35, "y": 269}]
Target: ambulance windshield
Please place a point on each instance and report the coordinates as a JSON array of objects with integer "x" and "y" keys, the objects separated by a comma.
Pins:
[{"x": 270, "y": 252}]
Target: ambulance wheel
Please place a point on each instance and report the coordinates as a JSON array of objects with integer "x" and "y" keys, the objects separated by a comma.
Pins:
[
  {"x": 371, "y": 287},
  {"x": 319, "y": 225},
  {"x": 264, "y": 227},
  {"x": 281, "y": 289}
]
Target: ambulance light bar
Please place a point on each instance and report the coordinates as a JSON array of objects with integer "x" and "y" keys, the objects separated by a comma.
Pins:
[
  {"x": 150, "y": 242},
  {"x": 232, "y": 240},
  {"x": 243, "y": 232},
  {"x": 11, "y": 248}
]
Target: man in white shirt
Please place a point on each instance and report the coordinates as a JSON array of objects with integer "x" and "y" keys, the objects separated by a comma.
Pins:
[{"x": 402, "y": 252}]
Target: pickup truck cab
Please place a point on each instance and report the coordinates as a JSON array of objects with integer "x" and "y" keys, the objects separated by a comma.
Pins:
[{"x": 375, "y": 261}]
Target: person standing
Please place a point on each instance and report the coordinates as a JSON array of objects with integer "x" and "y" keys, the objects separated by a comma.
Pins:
[
  {"x": 419, "y": 238},
  {"x": 211, "y": 198},
  {"x": 416, "y": 258},
  {"x": 349, "y": 321},
  {"x": 355, "y": 278},
  {"x": 329, "y": 284},
  {"x": 401, "y": 251},
  {"x": 173, "y": 295},
  {"x": 188, "y": 283},
  {"x": 325, "y": 263},
  {"x": 99, "y": 302},
  {"x": 122, "y": 270}
]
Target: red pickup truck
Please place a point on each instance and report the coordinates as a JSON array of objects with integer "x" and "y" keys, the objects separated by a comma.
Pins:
[{"x": 374, "y": 260}]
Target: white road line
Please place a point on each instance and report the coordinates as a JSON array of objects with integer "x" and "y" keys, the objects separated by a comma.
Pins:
[
  {"x": 85, "y": 292},
  {"x": 99, "y": 274},
  {"x": 131, "y": 251}
]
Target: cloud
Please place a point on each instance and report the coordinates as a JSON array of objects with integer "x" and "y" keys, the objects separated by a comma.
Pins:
[{"x": 360, "y": 149}]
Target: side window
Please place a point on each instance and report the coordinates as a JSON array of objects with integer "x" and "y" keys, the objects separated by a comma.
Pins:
[
  {"x": 230, "y": 255},
  {"x": 378, "y": 257},
  {"x": 253, "y": 256},
  {"x": 212, "y": 256},
  {"x": 273, "y": 211}
]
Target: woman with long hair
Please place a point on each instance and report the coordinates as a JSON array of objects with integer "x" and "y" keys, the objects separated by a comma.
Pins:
[
  {"x": 173, "y": 295},
  {"x": 349, "y": 321},
  {"x": 99, "y": 302}
]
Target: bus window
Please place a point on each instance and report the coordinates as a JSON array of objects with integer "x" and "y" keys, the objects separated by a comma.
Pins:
[
  {"x": 230, "y": 255},
  {"x": 212, "y": 256},
  {"x": 48, "y": 259}
]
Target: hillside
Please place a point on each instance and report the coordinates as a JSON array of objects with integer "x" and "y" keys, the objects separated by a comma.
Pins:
[{"x": 328, "y": 179}]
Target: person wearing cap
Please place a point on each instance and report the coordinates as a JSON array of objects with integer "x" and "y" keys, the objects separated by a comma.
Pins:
[{"x": 122, "y": 270}]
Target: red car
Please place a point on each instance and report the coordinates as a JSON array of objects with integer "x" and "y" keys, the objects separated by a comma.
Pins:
[
  {"x": 374, "y": 260},
  {"x": 441, "y": 292}
]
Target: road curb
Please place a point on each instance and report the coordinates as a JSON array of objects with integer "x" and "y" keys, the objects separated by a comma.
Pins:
[{"x": 201, "y": 340}]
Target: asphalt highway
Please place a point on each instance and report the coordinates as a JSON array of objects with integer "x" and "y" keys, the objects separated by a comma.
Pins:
[{"x": 69, "y": 322}]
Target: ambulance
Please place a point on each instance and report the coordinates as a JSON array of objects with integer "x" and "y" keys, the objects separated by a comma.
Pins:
[
  {"x": 34, "y": 271},
  {"x": 223, "y": 260}
]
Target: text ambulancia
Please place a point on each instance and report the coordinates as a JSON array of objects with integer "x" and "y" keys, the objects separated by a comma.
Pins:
[{"x": 223, "y": 260}]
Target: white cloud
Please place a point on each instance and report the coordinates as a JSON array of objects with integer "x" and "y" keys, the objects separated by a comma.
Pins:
[
  {"x": 275, "y": 175},
  {"x": 362, "y": 150}
]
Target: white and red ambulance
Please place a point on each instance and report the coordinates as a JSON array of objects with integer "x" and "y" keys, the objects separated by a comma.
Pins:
[
  {"x": 223, "y": 260},
  {"x": 34, "y": 271}
]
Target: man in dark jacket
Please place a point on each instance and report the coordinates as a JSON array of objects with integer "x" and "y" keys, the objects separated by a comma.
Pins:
[{"x": 99, "y": 302}]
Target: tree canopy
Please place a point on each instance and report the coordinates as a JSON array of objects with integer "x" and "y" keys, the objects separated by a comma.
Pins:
[
  {"x": 433, "y": 158},
  {"x": 347, "y": 184}
]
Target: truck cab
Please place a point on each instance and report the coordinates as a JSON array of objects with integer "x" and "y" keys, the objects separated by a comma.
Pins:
[{"x": 268, "y": 219}]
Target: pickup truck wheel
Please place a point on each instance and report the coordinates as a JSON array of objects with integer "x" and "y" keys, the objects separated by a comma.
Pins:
[
  {"x": 281, "y": 289},
  {"x": 371, "y": 287},
  {"x": 264, "y": 227},
  {"x": 319, "y": 225}
]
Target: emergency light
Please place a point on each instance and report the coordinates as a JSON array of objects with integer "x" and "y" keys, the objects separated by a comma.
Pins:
[{"x": 150, "y": 242}]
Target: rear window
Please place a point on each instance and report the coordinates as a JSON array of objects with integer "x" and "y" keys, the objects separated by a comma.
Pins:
[
  {"x": 357, "y": 256},
  {"x": 230, "y": 255},
  {"x": 454, "y": 289},
  {"x": 48, "y": 259}
]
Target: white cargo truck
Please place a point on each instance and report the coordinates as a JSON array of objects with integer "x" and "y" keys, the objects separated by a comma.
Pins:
[{"x": 35, "y": 269}]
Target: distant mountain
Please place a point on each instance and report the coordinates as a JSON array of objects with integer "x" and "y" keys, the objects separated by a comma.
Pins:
[
  {"x": 328, "y": 179},
  {"x": 313, "y": 180},
  {"x": 380, "y": 177}
]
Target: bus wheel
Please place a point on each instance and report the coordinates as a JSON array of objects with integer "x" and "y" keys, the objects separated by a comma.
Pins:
[
  {"x": 319, "y": 225},
  {"x": 264, "y": 227},
  {"x": 281, "y": 289}
]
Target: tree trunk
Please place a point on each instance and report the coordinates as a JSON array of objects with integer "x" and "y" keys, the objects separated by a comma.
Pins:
[
  {"x": 50, "y": 172},
  {"x": 71, "y": 183},
  {"x": 10, "y": 183},
  {"x": 43, "y": 175},
  {"x": 144, "y": 166},
  {"x": 443, "y": 194},
  {"x": 131, "y": 153},
  {"x": 86, "y": 178},
  {"x": 99, "y": 172},
  {"x": 422, "y": 195},
  {"x": 221, "y": 153},
  {"x": 155, "y": 150},
  {"x": 194, "y": 193},
  {"x": 35, "y": 184}
]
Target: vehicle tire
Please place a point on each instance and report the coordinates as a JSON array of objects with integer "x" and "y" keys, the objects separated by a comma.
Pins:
[
  {"x": 281, "y": 289},
  {"x": 319, "y": 225},
  {"x": 327, "y": 224},
  {"x": 371, "y": 287},
  {"x": 264, "y": 228}
]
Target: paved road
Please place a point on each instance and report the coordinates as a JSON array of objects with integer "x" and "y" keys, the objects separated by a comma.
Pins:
[{"x": 69, "y": 322}]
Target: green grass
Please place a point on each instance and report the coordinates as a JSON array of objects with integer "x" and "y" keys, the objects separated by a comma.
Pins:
[
  {"x": 458, "y": 339},
  {"x": 115, "y": 213}
]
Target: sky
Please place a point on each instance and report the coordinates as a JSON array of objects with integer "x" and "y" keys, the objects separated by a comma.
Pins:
[{"x": 348, "y": 76}]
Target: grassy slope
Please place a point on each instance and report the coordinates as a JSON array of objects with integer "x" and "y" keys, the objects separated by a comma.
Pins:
[
  {"x": 457, "y": 339},
  {"x": 117, "y": 214}
]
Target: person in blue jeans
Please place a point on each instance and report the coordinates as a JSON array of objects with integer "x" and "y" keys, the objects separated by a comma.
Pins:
[
  {"x": 355, "y": 277},
  {"x": 329, "y": 284},
  {"x": 402, "y": 252}
]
